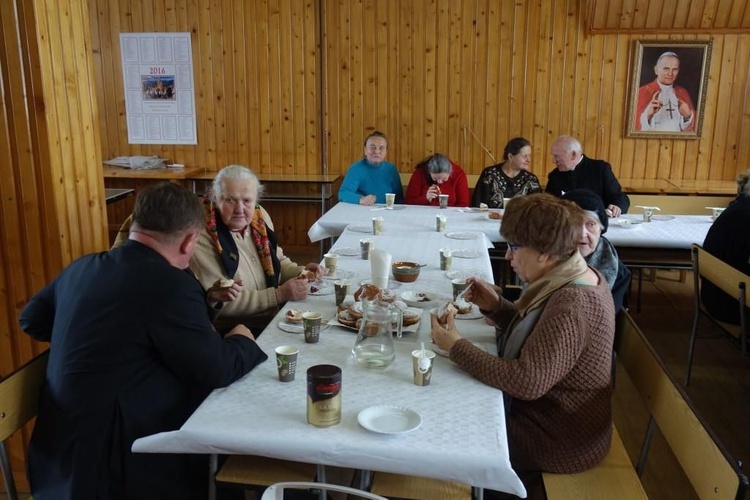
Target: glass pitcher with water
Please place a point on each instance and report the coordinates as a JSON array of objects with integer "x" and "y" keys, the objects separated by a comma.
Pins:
[{"x": 374, "y": 345}]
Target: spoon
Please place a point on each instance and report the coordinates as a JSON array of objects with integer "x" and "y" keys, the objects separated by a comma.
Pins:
[
  {"x": 404, "y": 268},
  {"x": 424, "y": 362}
]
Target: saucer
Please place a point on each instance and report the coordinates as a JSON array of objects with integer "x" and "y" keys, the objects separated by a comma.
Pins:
[{"x": 389, "y": 419}]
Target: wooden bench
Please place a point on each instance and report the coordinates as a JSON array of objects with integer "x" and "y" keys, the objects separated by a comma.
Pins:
[
  {"x": 709, "y": 468},
  {"x": 19, "y": 401},
  {"x": 418, "y": 488}
]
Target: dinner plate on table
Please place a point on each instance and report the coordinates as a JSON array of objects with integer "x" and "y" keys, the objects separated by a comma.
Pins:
[
  {"x": 346, "y": 252},
  {"x": 628, "y": 223},
  {"x": 340, "y": 274},
  {"x": 465, "y": 254},
  {"x": 298, "y": 327},
  {"x": 360, "y": 229},
  {"x": 389, "y": 419},
  {"x": 459, "y": 235},
  {"x": 662, "y": 217},
  {"x": 462, "y": 274},
  {"x": 320, "y": 288}
]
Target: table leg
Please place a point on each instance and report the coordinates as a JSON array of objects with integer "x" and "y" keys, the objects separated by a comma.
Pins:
[
  {"x": 477, "y": 493},
  {"x": 213, "y": 467},
  {"x": 322, "y": 494}
]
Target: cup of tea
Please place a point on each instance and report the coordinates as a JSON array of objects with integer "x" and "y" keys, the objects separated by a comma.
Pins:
[
  {"x": 422, "y": 362},
  {"x": 446, "y": 259},
  {"x": 440, "y": 223},
  {"x": 459, "y": 285},
  {"x": 311, "y": 321},
  {"x": 443, "y": 199},
  {"x": 377, "y": 225},
  {"x": 390, "y": 199},
  {"x": 341, "y": 290},
  {"x": 365, "y": 246},
  {"x": 331, "y": 261},
  {"x": 286, "y": 362}
]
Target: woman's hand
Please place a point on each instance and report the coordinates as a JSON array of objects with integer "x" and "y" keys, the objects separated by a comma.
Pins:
[
  {"x": 433, "y": 192},
  {"x": 444, "y": 336},
  {"x": 217, "y": 293},
  {"x": 319, "y": 270},
  {"x": 368, "y": 200},
  {"x": 483, "y": 294}
]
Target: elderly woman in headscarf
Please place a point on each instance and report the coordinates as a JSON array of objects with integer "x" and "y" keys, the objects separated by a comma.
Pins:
[
  {"x": 436, "y": 175},
  {"x": 554, "y": 343},
  {"x": 239, "y": 244},
  {"x": 598, "y": 251}
]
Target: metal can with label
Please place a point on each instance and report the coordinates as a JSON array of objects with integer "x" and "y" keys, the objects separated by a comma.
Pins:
[{"x": 323, "y": 395}]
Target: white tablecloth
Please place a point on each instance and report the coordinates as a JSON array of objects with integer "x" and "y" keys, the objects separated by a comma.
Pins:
[
  {"x": 677, "y": 233},
  {"x": 462, "y": 436}
]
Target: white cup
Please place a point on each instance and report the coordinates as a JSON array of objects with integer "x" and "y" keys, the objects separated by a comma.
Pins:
[{"x": 390, "y": 199}]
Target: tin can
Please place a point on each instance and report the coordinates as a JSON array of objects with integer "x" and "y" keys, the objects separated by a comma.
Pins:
[{"x": 323, "y": 395}]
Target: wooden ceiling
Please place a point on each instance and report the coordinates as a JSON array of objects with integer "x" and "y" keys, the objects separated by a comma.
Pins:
[{"x": 668, "y": 16}]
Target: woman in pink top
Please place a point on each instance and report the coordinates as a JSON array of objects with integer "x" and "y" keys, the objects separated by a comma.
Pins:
[{"x": 436, "y": 175}]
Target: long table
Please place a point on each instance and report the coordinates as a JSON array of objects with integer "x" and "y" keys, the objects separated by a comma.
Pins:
[
  {"x": 665, "y": 240},
  {"x": 462, "y": 436}
]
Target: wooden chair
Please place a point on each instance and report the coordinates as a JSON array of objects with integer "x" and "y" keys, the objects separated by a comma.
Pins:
[
  {"x": 251, "y": 472},
  {"x": 709, "y": 468},
  {"x": 276, "y": 491},
  {"x": 19, "y": 401},
  {"x": 729, "y": 280},
  {"x": 418, "y": 488}
]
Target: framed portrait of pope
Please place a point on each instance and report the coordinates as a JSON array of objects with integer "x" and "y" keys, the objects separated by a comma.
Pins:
[{"x": 668, "y": 89}]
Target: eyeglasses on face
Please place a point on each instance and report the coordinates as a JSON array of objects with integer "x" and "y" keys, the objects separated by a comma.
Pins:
[{"x": 512, "y": 247}]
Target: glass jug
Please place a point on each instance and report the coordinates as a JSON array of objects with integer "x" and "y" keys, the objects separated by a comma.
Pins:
[{"x": 374, "y": 345}]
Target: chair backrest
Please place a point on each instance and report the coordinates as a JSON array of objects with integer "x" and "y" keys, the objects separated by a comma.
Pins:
[
  {"x": 710, "y": 469},
  {"x": 19, "y": 400},
  {"x": 276, "y": 491},
  {"x": 719, "y": 273}
]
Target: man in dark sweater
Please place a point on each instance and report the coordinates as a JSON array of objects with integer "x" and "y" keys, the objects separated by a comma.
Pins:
[
  {"x": 576, "y": 171},
  {"x": 729, "y": 240}
]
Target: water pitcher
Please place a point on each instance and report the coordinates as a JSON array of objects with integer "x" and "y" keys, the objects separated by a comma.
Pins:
[{"x": 374, "y": 345}]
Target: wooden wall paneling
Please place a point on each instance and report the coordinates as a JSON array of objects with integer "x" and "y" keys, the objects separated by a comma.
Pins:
[
  {"x": 239, "y": 92},
  {"x": 616, "y": 121},
  {"x": 710, "y": 117},
  {"x": 417, "y": 139},
  {"x": 434, "y": 136},
  {"x": 738, "y": 153},
  {"x": 222, "y": 73},
  {"x": 609, "y": 116},
  {"x": 465, "y": 90},
  {"x": 723, "y": 11},
  {"x": 205, "y": 85},
  {"x": 724, "y": 104},
  {"x": 592, "y": 126},
  {"x": 540, "y": 49},
  {"x": 442, "y": 83},
  {"x": 490, "y": 105},
  {"x": 378, "y": 100}
]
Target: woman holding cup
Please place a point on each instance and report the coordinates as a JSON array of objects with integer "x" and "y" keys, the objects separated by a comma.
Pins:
[
  {"x": 508, "y": 179},
  {"x": 434, "y": 176},
  {"x": 554, "y": 342}
]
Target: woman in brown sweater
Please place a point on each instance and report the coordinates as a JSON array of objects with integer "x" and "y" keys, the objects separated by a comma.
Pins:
[{"x": 554, "y": 342}]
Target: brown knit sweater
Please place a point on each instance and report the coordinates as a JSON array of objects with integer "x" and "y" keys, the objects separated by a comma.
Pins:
[{"x": 560, "y": 419}]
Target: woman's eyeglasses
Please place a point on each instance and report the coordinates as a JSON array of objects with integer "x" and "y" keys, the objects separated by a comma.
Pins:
[{"x": 513, "y": 247}]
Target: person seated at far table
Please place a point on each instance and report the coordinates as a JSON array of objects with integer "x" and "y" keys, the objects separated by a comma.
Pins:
[
  {"x": 554, "y": 343},
  {"x": 728, "y": 239},
  {"x": 507, "y": 179},
  {"x": 436, "y": 175},
  {"x": 597, "y": 250},
  {"x": 574, "y": 171},
  {"x": 239, "y": 243},
  {"x": 368, "y": 179},
  {"x": 132, "y": 353}
]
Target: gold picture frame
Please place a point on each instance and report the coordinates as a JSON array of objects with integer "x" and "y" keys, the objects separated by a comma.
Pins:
[{"x": 668, "y": 89}]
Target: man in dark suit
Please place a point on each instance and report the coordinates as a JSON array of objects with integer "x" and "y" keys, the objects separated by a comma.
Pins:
[
  {"x": 576, "y": 171},
  {"x": 729, "y": 240},
  {"x": 132, "y": 353}
]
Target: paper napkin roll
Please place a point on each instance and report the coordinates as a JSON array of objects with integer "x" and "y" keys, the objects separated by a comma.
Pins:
[{"x": 380, "y": 266}]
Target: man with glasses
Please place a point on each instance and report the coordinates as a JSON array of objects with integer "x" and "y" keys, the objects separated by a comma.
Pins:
[{"x": 369, "y": 179}]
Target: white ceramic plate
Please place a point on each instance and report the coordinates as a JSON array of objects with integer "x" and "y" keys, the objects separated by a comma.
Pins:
[
  {"x": 422, "y": 300},
  {"x": 628, "y": 223},
  {"x": 360, "y": 229},
  {"x": 462, "y": 274},
  {"x": 323, "y": 288},
  {"x": 662, "y": 217},
  {"x": 473, "y": 314},
  {"x": 457, "y": 235},
  {"x": 445, "y": 354},
  {"x": 389, "y": 419},
  {"x": 341, "y": 274},
  {"x": 297, "y": 327},
  {"x": 346, "y": 252},
  {"x": 465, "y": 254}
]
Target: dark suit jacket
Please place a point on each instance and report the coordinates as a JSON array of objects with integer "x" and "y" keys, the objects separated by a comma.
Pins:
[
  {"x": 595, "y": 175},
  {"x": 132, "y": 353},
  {"x": 729, "y": 240}
]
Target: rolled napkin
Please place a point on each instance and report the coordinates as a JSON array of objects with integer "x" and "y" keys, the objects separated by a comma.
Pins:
[{"x": 380, "y": 266}]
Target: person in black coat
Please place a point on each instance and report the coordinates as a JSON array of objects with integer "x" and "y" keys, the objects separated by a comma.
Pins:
[
  {"x": 597, "y": 250},
  {"x": 576, "y": 171},
  {"x": 132, "y": 353},
  {"x": 729, "y": 240}
]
